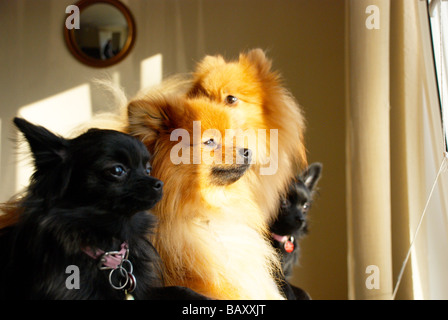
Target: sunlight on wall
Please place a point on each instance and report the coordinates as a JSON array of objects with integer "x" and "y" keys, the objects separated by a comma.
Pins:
[
  {"x": 151, "y": 71},
  {"x": 116, "y": 78},
  {"x": 61, "y": 114}
]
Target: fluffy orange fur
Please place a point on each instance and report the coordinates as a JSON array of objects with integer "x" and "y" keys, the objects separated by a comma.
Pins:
[
  {"x": 213, "y": 238},
  {"x": 9, "y": 214}
]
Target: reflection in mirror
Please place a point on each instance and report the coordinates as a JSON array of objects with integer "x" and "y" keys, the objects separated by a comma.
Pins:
[
  {"x": 102, "y": 32},
  {"x": 106, "y": 33}
]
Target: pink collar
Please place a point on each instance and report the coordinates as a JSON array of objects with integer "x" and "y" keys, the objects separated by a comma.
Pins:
[
  {"x": 111, "y": 259},
  {"x": 279, "y": 238},
  {"x": 286, "y": 241}
]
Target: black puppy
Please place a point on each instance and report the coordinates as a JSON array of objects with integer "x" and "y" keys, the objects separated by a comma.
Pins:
[
  {"x": 291, "y": 223},
  {"x": 83, "y": 226}
]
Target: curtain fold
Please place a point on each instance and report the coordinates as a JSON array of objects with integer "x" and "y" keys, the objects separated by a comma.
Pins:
[
  {"x": 368, "y": 156},
  {"x": 407, "y": 164}
]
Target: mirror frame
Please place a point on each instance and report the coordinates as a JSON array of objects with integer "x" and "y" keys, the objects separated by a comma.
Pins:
[{"x": 69, "y": 35}]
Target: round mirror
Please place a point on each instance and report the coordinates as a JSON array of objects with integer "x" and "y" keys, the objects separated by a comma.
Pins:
[{"x": 104, "y": 34}]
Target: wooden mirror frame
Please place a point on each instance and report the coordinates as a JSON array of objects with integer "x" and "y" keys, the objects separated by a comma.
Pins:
[{"x": 69, "y": 35}]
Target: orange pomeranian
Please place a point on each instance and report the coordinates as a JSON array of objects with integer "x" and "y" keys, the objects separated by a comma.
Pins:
[
  {"x": 211, "y": 235},
  {"x": 212, "y": 232},
  {"x": 254, "y": 93}
]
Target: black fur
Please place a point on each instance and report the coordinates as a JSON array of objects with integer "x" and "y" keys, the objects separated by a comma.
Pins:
[
  {"x": 92, "y": 191},
  {"x": 292, "y": 222}
]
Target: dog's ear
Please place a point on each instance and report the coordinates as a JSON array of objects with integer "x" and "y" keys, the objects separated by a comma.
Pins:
[
  {"x": 209, "y": 63},
  {"x": 50, "y": 153},
  {"x": 47, "y": 148},
  {"x": 257, "y": 58},
  {"x": 203, "y": 68},
  {"x": 311, "y": 175},
  {"x": 148, "y": 117}
]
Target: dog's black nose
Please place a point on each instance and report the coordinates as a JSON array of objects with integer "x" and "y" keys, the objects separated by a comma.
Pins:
[
  {"x": 246, "y": 154},
  {"x": 300, "y": 219},
  {"x": 158, "y": 185}
]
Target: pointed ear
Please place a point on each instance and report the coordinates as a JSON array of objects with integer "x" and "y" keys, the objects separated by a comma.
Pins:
[
  {"x": 48, "y": 149},
  {"x": 51, "y": 155},
  {"x": 311, "y": 175},
  {"x": 148, "y": 117},
  {"x": 209, "y": 63},
  {"x": 258, "y": 59},
  {"x": 203, "y": 68}
]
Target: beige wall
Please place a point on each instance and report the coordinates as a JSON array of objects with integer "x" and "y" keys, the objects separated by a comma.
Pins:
[{"x": 305, "y": 38}]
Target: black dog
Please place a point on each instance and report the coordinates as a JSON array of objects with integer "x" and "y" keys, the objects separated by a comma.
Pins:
[
  {"x": 291, "y": 223},
  {"x": 83, "y": 226}
]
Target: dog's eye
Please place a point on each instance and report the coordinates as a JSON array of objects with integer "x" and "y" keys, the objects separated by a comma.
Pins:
[
  {"x": 231, "y": 100},
  {"x": 210, "y": 143},
  {"x": 306, "y": 206},
  {"x": 285, "y": 203},
  {"x": 117, "y": 171},
  {"x": 148, "y": 169}
]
